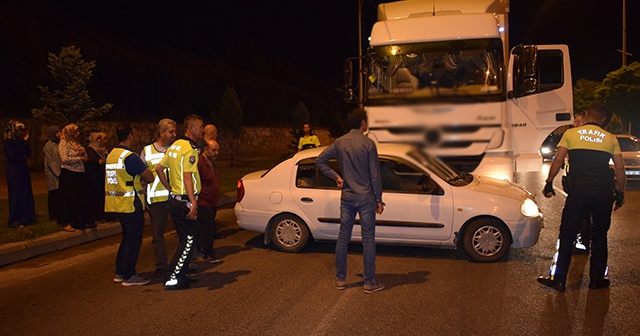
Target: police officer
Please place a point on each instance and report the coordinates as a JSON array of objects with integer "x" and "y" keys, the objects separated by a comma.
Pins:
[
  {"x": 157, "y": 194},
  {"x": 184, "y": 183},
  {"x": 124, "y": 195},
  {"x": 583, "y": 239},
  {"x": 592, "y": 193}
]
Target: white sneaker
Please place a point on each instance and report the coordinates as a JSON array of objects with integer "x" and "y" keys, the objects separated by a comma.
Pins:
[
  {"x": 135, "y": 280},
  {"x": 118, "y": 278}
]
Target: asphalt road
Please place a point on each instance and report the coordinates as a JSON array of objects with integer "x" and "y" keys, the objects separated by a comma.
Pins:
[{"x": 259, "y": 291}]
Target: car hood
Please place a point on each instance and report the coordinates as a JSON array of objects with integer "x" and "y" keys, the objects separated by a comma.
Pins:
[
  {"x": 631, "y": 158},
  {"x": 497, "y": 187}
]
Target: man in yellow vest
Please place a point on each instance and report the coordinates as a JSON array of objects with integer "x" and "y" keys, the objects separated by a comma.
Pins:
[
  {"x": 184, "y": 183},
  {"x": 157, "y": 195},
  {"x": 124, "y": 195}
]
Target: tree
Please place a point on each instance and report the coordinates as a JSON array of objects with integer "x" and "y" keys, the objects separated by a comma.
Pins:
[
  {"x": 231, "y": 115},
  {"x": 70, "y": 101},
  {"x": 299, "y": 117},
  {"x": 615, "y": 125},
  {"x": 584, "y": 93},
  {"x": 620, "y": 91}
]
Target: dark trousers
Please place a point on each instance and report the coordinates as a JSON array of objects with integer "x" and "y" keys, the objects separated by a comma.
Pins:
[
  {"x": 595, "y": 198},
  {"x": 132, "y": 224},
  {"x": 186, "y": 230},
  {"x": 206, "y": 230},
  {"x": 52, "y": 204},
  {"x": 158, "y": 214},
  {"x": 73, "y": 207}
]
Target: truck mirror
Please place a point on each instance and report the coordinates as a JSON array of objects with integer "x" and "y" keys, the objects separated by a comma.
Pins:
[{"x": 526, "y": 70}]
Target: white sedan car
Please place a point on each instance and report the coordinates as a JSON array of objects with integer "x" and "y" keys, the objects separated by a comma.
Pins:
[{"x": 427, "y": 204}]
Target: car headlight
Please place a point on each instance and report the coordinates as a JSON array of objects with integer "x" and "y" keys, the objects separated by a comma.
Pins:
[
  {"x": 529, "y": 208},
  {"x": 545, "y": 150}
]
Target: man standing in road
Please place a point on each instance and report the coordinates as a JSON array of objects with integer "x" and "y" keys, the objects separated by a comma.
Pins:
[
  {"x": 157, "y": 195},
  {"x": 361, "y": 186},
  {"x": 182, "y": 160},
  {"x": 208, "y": 201},
  {"x": 124, "y": 195},
  {"x": 591, "y": 193}
]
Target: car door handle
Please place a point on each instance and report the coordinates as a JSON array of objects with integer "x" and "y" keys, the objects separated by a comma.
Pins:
[{"x": 306, "y": 199}]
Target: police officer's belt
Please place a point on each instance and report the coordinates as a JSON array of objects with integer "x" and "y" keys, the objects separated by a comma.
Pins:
[
  {"x": 123, "y": 193},
  {"x": 182, "y": 198}
]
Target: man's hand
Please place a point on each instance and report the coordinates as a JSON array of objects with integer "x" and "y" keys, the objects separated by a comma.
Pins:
[
  {"x": 193, "y": 212},
  {"x": 618, "y": 197},
  {"x": 379, "y": 208},
  {"x": 548, "y": 190},
  {"x": 339, "y": 182}
]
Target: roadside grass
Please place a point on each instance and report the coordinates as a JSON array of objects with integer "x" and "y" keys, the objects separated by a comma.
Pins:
[
  {"x": 228, "y": 174},
  {"x": 42, "y": 227}
]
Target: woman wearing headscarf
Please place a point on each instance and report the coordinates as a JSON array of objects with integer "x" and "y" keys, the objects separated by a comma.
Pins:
[
  {"x": 72, "y": 210},
  {"x": 94, "y": 167},
  {"x": 16, "y": 150},
  {"x": 52, "y": 169}
]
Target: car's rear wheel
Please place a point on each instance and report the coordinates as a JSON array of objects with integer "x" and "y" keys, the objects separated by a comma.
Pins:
[
  {"x": 486, "y": 240},
  {"x": 289, "y": 233}
]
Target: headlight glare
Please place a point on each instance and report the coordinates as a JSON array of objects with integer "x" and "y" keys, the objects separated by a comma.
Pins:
[{"x": 529, "y": 208}]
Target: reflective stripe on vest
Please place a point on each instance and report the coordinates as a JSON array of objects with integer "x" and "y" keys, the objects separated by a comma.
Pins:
[
  {"x": 120, "y": 187},
  {"x": 156, "y": 192}
]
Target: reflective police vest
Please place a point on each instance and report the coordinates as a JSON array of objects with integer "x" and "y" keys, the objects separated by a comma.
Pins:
[
  {"x": 156, "y": 192},
  {"x": 120, "y": 187}
]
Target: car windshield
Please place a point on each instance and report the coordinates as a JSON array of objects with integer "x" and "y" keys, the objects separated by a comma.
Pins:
[
  {"x": 629, "y": 144},
  {"x": 465, "y": 68},
  {"x": 448, "y": 174}
]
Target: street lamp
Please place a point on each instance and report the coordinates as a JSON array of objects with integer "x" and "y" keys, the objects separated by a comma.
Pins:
[
  {"x": 624, "y": 34},
  {"x": 360, "y": 82}
]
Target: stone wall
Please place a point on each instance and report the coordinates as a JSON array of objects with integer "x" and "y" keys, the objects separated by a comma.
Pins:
[{"x": 252, "y": 139}]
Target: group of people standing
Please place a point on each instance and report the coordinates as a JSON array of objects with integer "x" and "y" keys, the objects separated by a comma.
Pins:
[
  {"x": 80, "y": 179},
  {"x": 96, "y": 184},
  {"x": 73, "y": 174},
  {"x": 174, "y": 177}
]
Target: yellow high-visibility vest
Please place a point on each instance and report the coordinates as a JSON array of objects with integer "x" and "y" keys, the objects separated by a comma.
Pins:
[
  {"x": 120, "y": 187},
  {"x": 156, "y": 192}
]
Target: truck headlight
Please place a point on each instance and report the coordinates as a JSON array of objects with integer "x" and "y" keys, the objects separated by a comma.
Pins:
[
  {"x": 545, "y": 150},
  {"x": 529, "y": 208}
]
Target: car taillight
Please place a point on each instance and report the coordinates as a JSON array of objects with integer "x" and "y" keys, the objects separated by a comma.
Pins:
[{"x": 240, "y": 194}]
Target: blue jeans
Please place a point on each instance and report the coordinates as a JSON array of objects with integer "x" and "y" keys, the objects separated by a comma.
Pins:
[{"x": 367, "y": 211}]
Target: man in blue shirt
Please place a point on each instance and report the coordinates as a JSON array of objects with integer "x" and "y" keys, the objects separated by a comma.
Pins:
[
  {"x": 361, "y": 186},
  {"x": 124, "y": 195}
]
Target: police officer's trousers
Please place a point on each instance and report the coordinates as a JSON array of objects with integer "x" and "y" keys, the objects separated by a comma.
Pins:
[
  {"x": 186, "y": 230},
  {"x": 588, "y": 197}
]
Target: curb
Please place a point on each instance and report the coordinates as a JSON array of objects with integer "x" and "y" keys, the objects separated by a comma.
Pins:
[{"x": 14, "y": 252}]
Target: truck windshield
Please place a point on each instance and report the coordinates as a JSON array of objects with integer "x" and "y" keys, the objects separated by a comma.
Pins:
[{"x": 426, "y": 70}]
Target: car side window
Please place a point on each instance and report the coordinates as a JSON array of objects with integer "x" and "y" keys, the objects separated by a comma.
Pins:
[
  {"x": 309, "y": 176},
  {"x": 398, "y": 176}
]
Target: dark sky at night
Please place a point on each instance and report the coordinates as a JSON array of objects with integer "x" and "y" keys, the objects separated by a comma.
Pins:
[{"x": 321, "y": 34}]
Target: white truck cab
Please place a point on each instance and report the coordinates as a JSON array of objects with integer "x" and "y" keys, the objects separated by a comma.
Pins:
[{"x": 439, "y": 74}]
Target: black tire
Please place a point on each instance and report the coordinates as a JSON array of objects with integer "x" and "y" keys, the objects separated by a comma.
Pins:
[
  {"x": 289, "y": 233},
  {"x": 486, "y": 240}
]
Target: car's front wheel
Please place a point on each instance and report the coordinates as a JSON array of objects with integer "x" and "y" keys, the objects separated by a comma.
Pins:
[
  {"x": 289, "y": 233},
  {"x": 486, "y": 240}
]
